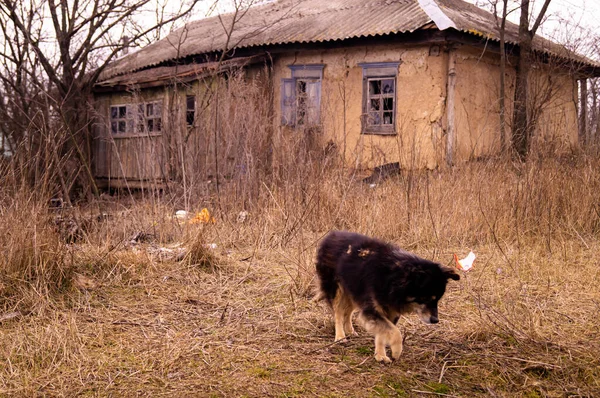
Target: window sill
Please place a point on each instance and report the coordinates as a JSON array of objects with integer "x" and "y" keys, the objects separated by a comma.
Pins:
[
  {"x": 379, "y": 132},
  {"x": 145, "y": 135}
]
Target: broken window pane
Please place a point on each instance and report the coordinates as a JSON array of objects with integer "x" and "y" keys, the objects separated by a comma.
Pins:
[
  {"x": 387, "y": 117},
  {"x": 122, "y": 112},
  {"x": 114, "y": 112},
  {"x": 388, "y": 86},
  {"x": 388, "y": 104},
  {"x": 191, "y": 109},
  {"x": 374, "y": 87},
  {"x": 375, "y": 104},
  {"x": 381, "y": 102}
]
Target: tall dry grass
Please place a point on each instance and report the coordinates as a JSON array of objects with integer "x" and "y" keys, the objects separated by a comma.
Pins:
[
  {"x": 294, "y": 187},
  {"x": 34, "y": 263},
  {"x": 534, "y": 226}
]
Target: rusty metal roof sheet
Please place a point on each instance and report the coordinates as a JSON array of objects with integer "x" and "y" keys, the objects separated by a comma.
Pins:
[
  {"x": 161, "y": 75},
  {"x": 310, "y": 21}
]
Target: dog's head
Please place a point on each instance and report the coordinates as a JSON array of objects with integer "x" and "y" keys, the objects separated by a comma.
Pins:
[{"x": 426, "y": 285}]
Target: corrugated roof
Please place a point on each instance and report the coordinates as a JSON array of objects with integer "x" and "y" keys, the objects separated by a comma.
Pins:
[
  {"x": 161, "y": 75},
  {"x": 310, "y": 21},
  {"x": 471, "y": 19}
]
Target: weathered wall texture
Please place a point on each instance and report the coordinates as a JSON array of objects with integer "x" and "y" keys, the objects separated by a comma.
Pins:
[
  {"x": 552, "y": 96},
  {"x": 245, "y": 105},
  {"x": 420, "y": 100},
  {"x": 477, "y": 107},
  {"x": 421, "y": 122},
  {"x": 127, "y": 156}
]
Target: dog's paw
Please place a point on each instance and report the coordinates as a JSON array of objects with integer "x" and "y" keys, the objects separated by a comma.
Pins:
[
  {"x": 396, "y": 351},
  {"x": 382, "y": 358},
  {"x": 351, "y": 333}
]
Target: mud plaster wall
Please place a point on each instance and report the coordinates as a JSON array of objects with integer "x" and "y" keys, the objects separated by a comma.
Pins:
[
  {"x": 554, "y": 93},
  {"x": 420, "y": 99},
  {"x": 477, "y": 115}
]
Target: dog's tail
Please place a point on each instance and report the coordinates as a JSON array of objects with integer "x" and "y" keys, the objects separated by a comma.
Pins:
[{"x": 326, "y": 264}]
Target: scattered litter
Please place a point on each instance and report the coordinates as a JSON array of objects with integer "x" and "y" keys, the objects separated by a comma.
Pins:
[
  {"x": 9, "y": 315},
  {"x": 168, "y": 254},
  {"x": 182, "y": 214},
  {"x": 466, "y": 263},
  {"x": 83, "y": 282},
  {"x": 203, "y": 217},
  {"x": 372, "y": 185},
  {"x": 242, "y": 216},
  {"x": 383, "y": 172},
  {"x": 141, "y": 237},
  {"x": 211, "y": 246}
]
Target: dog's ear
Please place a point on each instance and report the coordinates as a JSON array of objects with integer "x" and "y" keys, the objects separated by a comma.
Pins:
[{"x": 450, "y": 273}]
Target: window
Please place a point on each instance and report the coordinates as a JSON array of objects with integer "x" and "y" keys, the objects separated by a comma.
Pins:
[
  {"x": 190, "y": 113},
  {"x": 137, "y": 119},
  {"x": 119, "y": 118},
  {"x": 379, "y": 97},
  {"x": 153, "y": 117},
  {"x": 301, "y": 96}
]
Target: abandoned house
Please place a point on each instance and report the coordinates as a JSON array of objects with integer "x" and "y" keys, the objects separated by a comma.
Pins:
[{"x": 408, "y": 81}]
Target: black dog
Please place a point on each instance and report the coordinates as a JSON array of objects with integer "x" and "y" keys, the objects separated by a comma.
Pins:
[{"x": 381, "y": 281}]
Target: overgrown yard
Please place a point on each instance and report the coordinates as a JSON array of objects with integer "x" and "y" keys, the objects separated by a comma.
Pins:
[{"x": 109, "y": 317}]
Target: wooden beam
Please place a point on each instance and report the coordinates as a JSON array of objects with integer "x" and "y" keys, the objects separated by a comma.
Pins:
[
  {"x": 450, "y": 107},
  {"x": 583, "y": 131}
]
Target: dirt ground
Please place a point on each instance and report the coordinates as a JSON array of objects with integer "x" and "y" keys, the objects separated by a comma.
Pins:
[{"x": 245, "y": 325}]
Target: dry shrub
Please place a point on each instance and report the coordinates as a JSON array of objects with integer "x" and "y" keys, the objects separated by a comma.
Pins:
[
  {"x": 199, "y": 253},
  {"x": 477, "y": 203}
]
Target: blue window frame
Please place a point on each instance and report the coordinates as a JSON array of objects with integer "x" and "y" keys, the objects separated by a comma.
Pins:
[
  {"x": 301, "y": 96},
  {"x": 379, "y": 97}
]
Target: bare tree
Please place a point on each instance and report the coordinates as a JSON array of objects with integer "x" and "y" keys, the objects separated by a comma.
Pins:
[
  {"x": 501, "y": 24},
  {"x": 62, "y": 60},
  {"x": 522, "y": 128}
]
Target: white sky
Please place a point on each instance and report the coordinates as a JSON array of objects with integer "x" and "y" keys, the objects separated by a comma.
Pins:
[{"x": 567, "y": 21}]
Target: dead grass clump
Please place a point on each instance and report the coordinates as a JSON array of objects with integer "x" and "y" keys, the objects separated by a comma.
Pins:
[
  {"x": 33, "y": 261},
  {"x": 199, "y": 253}
]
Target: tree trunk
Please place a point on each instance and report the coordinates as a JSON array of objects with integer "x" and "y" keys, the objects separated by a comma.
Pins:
[
  {"x": 521, "y": 127},
  {"x": 503, "y": 138},
  {"x": 520, "y": 123},
  {"x": 583, "y": 131}
]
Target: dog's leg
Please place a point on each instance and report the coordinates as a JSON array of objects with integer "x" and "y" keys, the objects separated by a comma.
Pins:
[
  {"x": 339, "y": 313},
  {"x": 347, "y": 307},
  {"x": 385, "y": 334},
  {"x": 396, "y": 343},
  {"x": 348, "y": 328}
]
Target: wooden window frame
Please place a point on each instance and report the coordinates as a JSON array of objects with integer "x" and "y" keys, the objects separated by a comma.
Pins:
[
  {"x": 373, "y": 72},
  {"x": 142, "y": 119},
  {"x": 295, "y": 101},
  {"x": 190, "y": 112}
]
